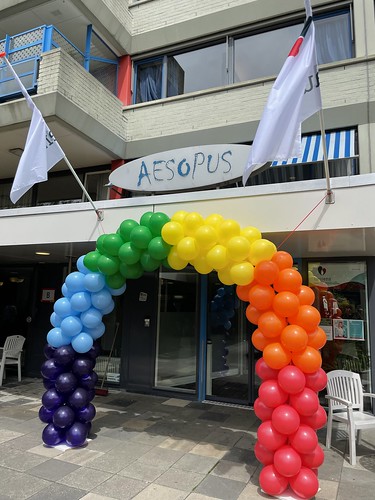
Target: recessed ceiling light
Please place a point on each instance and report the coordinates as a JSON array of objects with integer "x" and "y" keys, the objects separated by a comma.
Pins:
[{"x": 42, "y": 253}]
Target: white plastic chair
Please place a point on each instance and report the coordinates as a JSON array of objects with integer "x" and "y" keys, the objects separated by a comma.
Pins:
[
  {"x": 11, "y": 355},
  {"x": 345, "y": 397}
]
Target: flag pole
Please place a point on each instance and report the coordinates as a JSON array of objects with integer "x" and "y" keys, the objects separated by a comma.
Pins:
[{"x": 330, "y": 198}]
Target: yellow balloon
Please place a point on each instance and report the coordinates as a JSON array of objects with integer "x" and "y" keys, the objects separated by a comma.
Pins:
[
  {"x": 238, "y": 248},
  {"x": 172, "y": 232},
  {"x": 227, "y": 229},
  {"x": 192, "y": 222},
  {"x": 261, "y": 250},
  {"x": 175, "y": 261},
  {"x": 225, "y": 277},
  {"x": 187, "y": 248},
  {"x": 179, "y": 216},
  {"x": 242, "y": 273},
  {"x": 206, "y": 236},
  {"x": 217, "y": 257},
  {"x": 214, "y": 220},
  {"x": 201, "y": 265},
  {"x": 251, "y": 233}
]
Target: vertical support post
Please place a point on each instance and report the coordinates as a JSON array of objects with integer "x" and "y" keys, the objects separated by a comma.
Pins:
[
  {"x": 202, "y": 352},
  {"x": 86, "y": 63}
]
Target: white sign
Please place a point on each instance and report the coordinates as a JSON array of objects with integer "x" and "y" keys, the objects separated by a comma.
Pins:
[{"x": 183, "y": 169}]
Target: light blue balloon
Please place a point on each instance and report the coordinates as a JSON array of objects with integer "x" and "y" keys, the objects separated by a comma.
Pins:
[
  {"x": 94, "y": 282},
  {"x": 81, "y": 301},
  {"x": 75, "y": 282},
  {"x": 55, "y": 319},
  {"x": 71, "y": 326},
  {"x": 55, "y": 338},
  {"x": 101, "y": 300},
  {"x": 81, "y": 266},
  {"x": 97, "y": 332},
  {"x": 63, "y": 308},
  {"x": 117, "y": 291},
  {"x": 108, "y": 309},
  {"x": 82, "y": 342},
  {"x": 66, "y": 292},
  {"x": 91, "y": 318}
]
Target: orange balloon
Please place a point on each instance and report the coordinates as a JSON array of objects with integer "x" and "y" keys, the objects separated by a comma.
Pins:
[
  {"x": 266, "y": 272},
  {"x": 294, "y": 338},
  {"x": 308, "y": 317},
  {"x": 270, "y": 324},
  {"x": 309, "y": 360},
  {"x": 286, "y": 304},
  {"x": 288, "y": 280},
  {"x": 243, "y": 291},
  {"x": 306, "y": 296},
  {"x": 259, "y": 340},
  {"x": 261, "y": 297},
  {"x": 317, "y": 339},
  {"x": 283, "y": 260},
  {"x": 276, "y": 356},
  {"x": 252, "y": 314}
]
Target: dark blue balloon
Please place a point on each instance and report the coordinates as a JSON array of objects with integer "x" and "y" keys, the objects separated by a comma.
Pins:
[
  {"x": 52, "y": 436},
  {"x": 91, "y": 394},
  {"x": 48, "y": 384},
  {"x": 49, "y": 351},
  {"x": 63, "y": 417},
  {"x": 79, "y": 398},
  {"x": 66, "y": 383},
  {"x": 52, "y": 399},
  {"x": 46, "y": 415},
  {"x": 76, "y": 435},
  {"x": 86, "y": 414},
  {"x": 82, "y": 366},
  {"x": 50, "y": 370},
  {"x": 64, "y": 355},
  {"x": 89, "y": 381},
  {"x": 94, "y": 352}
]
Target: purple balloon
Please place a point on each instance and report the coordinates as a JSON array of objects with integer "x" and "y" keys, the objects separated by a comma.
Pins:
[
  {"x": 46, "y": 415},
  {"x": 76, "y": 435},
  {"x": 52, "y": 436},
  {"x": 86, "y": 414},
  {"x": 51, "y": 399},
  {"x": 48, "y": 384},
  {"x": 64, "y": 355},
  {"x": 91, "y": 394},
  {"x": 82, "y": 366},
  {"x": 94, "y": 352},
  {"x": 50, "y": 370},
  {"x": 63, "y": 417},
  {"x": 66, "y": 382},
  {"x": 88, "y": 427},
  {"x": 89, "y": 381},
  {"x": 49, "y": 351},
  {"x": 79, "y": 398}
]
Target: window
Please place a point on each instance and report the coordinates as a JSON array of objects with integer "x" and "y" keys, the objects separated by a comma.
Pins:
[{"x": 239, "y": 58}]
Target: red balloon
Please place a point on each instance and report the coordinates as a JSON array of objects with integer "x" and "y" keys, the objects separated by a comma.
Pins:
[
  {"x": 271, "y": 481},
  {"x": 262, "y": 454},
  {"x": 262, "y": 411},
  {"x": 305, "y": 402},
  {"x": 285, "y": 419},
  {"x": 313, "y": 460},
  {"x": 304, "y": 440},
  {"x": 317, "y": 420},
  {"x": 270, "y": 438},
  {"x": 305, "y": 484},
  {"x": 271, "y": 393},
  {"x": 287, "y": 461},
  {"x": 316, "y": 381},
  {"x": 291, "y": 379},
  {"x": 263, "y": 371}
]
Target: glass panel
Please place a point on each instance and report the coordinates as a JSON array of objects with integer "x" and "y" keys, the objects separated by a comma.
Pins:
[
  {"x": 341, "y": 297},
  {"x": 177, "y": 326},
  {"x": 227, "y": 345},
  {"x": 197, "y": 70},
  {"x": 59, "y": 190},
  {"x": 95, "y": 185},
  {"x": 333, "y": 38},
  {"x": 149, "y": 81}
]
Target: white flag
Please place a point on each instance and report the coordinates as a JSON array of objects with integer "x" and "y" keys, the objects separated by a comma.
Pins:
[
  {"x": 41, "y": 152},
  {"x": 294, "y": 97}
]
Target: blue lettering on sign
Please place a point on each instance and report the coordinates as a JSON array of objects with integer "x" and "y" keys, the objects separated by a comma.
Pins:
[
  {"x": 143, "y": 173},
  {"x": 158, "y": 162},
  {"x": 179, "y": 168},
  {"x": 226, "y": 161}
]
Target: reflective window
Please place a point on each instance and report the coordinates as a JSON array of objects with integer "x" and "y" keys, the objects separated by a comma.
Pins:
[{"x": 149, "y": 79}]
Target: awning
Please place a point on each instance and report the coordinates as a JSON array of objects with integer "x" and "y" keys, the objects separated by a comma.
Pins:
[{"x": 340, "y": 144}]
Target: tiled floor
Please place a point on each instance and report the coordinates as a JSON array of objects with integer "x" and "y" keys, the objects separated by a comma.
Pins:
[{"x": 150, "y": 448}]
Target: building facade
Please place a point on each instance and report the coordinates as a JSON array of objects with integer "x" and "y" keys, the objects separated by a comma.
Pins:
[{"x": 118, "y": 81}]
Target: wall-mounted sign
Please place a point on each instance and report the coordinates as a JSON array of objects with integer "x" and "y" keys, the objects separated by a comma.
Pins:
[
  {"x": 48, "y": 295},
  {"x": 183, "y": 169}
]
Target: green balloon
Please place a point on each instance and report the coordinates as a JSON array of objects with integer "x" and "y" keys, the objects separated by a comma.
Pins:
[
  {"x": 131, "y": 272},
  {"x": 99, "y": 243},
  {"x": 158, "y": 248},
  {"x": 165, "y": 263},
  {"x": 90, "y": 260},
  {"x": 108, "y": 264},
  {"x": 145, "y": 219},
  {"x": 115, "y": 280},
  {"x": 148, "y": 263},
  {"x": 140, "y": 237},
  {"x": 112, "y": 244},
  {"x": 157, "y": 222},
  {"x": 126, "y": 227},
  {"x": 129, "y": 254}
]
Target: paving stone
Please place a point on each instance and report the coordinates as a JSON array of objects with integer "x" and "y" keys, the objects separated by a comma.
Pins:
[
  {"x": 157, "y": 491},
  {"x": 52, "y": 470},
  {"x": 7, "y": 435},
  {"x": 214, "y": 416},
  {"x": 19, "y": 460},
  {"x": 196, "y": 463},
  {"x": 59, "y": 491},
  {"x": 161, "y": 456},
  {"x": 176, "y": 402},
  {"x": 180, "y": 479},
  {"x": 120, "y": 487},
  {"x": 144, "y": 471},
  {"x": 93, "y": 496},
  {"x": 18, "y": 485},
  {"x": 218, "y": 487},
  {"x": 328, "y": 490},
  {"x": 85, "y": 478},
  {"x": 177, "y": 444},
  {"x": 233, "y": 470},
  {"x": 210, "y": 450}
]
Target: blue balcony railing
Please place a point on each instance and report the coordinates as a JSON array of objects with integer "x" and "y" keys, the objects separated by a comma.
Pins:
[{"x": 24, "y": 52}]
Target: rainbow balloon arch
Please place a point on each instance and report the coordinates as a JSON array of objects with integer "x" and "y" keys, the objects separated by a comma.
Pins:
[{"x": 287, "y": 333}]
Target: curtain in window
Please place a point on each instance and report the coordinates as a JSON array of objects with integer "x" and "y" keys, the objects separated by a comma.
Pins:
[
  {"x": 149, "y": 82},
  {"x": 333, "y": 39}
]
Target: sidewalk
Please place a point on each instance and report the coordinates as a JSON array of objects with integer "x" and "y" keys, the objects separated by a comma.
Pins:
[{"x": 150, "y": 448}]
